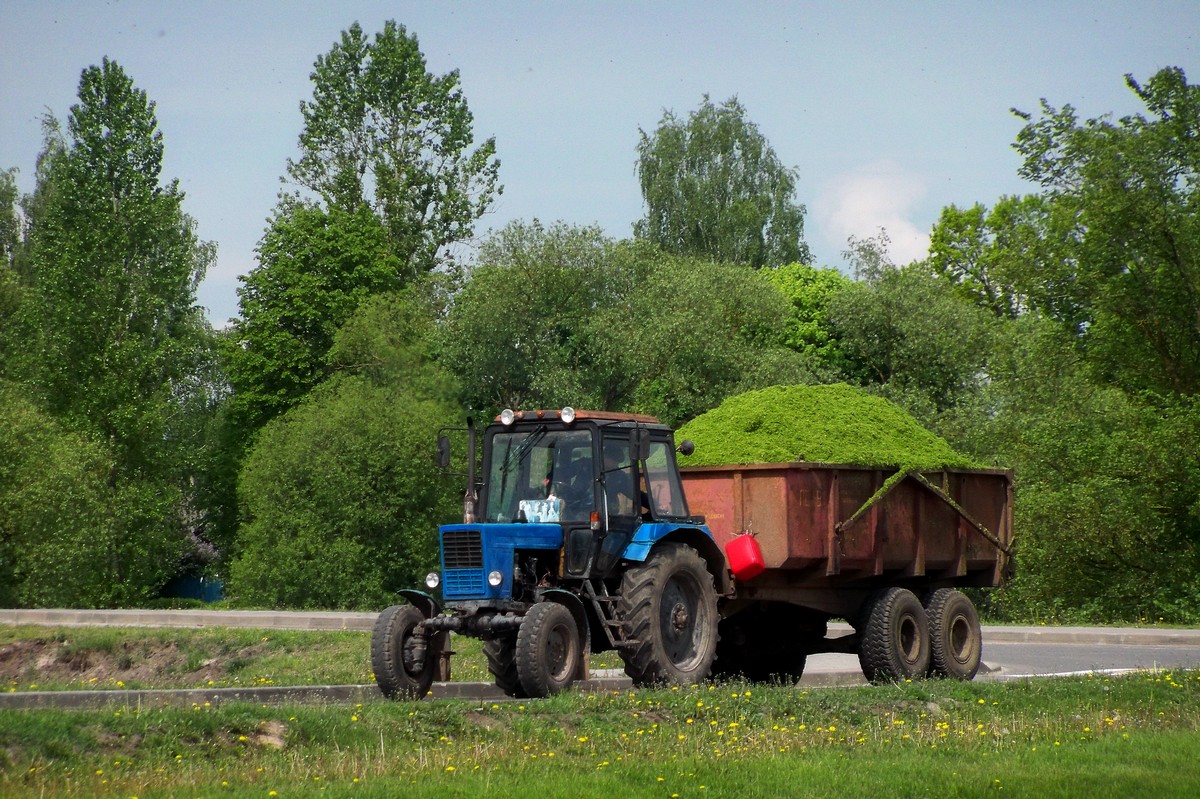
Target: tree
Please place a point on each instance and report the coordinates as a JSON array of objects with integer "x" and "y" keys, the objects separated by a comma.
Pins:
[
  {"x": 1106, "y": 483},
  {"x": 696, "y": 332},
  {"x": 340, "y": 499},
  {"x": 114, "y": 264},
  {"x": 811, "y": 291},
  {"x": 68, "y": 538},
  {"x": 565, "y": 316},
  {"x": 384, "y": 131},
  {"x": 109, "y": 335},
  {"x": 905, "y": 330},
  {"x": 524, "y": 328},
  {"x": 10, "y": 240},
  {"x": 1129, "y": 191},
  {"x": 715, "y": 189},
  {"x": 316, "y": 267}
]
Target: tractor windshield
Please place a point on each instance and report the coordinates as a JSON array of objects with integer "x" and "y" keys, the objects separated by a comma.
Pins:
[{"x": 540, "y": 475}]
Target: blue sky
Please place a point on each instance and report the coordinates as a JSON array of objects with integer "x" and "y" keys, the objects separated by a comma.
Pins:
[{"x": 888, "y": 111}]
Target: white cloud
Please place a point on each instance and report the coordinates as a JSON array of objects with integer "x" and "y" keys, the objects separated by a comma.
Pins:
[{"x": 873, "y": 196}]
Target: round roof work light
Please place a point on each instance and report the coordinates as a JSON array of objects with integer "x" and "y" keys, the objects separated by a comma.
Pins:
[
  {"x": 567, "y": 414},
  {"x": 507, "y": 416}
]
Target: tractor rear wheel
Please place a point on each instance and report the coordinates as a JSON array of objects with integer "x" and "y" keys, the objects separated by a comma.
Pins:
[{"x": 668, "y": 608}]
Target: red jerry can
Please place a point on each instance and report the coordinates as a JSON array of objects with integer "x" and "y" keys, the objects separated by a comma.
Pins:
[{"x": 745, "y": 558}]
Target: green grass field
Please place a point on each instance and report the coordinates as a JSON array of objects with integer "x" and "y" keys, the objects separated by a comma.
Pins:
[{"x": 1097, "y": 736}]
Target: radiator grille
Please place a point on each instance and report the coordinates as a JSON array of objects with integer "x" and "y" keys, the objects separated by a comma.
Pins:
[
  {"x": 462, "y": 549},
  {"x": 462, "y": 564}
]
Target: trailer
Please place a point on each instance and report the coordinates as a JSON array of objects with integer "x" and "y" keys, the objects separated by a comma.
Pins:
[
  {"x": 872, "y": 545},
  {"x": 581, "y": 534}
]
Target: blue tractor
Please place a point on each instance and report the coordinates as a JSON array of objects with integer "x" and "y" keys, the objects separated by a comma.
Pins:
[{"x": 577, "y": 539}]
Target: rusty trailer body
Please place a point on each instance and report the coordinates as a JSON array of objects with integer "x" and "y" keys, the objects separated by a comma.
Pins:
[
  {"x": 829, "y": 534},
  {"x": 885, "y": 551}
]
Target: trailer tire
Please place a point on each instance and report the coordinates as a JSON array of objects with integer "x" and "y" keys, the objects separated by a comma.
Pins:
[
  {"x": 894, "y": 637},
  {"x": 402, "y": 671},
  {"x": 501, "y": 654},
  {"x": 668, "y": 609},
  {"x": 549, "y": 651},
  {"x": 955, "y": 637}
]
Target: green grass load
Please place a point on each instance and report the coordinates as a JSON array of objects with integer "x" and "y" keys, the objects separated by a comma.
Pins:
[{"x": 819, "y": 424}]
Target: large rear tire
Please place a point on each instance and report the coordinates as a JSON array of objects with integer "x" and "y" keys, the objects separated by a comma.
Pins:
[
  {"x": 894, "y": 637},
  {"x": 668, "y": 607},
  {"x": 501, "y": 654},
  {"x": 955, "y": 637},
  {"x": 549, "y": 651},
  {"x": 403, "y": 657}
]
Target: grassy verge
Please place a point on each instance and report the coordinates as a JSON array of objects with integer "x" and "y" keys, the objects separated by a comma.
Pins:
[
  {"x": 1134, "y": 735},
  {"x": 84, "y": 658}
]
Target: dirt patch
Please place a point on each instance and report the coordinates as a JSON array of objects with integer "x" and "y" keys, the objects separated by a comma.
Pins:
[{"x": 144, "y": 663}]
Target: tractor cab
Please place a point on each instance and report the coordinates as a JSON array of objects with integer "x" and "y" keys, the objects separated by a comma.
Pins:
[{"x": 595, "y": 475}]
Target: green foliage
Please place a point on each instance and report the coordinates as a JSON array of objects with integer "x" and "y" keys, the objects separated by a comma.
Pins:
[
  {"x": 905, "y": 331},
  {"x": 382, "y": 130},
  {"x": 340, "y": 499},
  {"x": 110, "y": 319},
  {"x": 565, "y": 316},
  {"x": 696, "y": 332},
  {"x": 821, "y": 424},
  {"x": 10, "y": 240},
  {"x": 1130, "y": 190},
  {"x": 110, "y": 350},
  {"x": 811, "y": 291},
  {"x": 1007, "y": 259},
  {"x": 315, "y": 268},
  {"x": 524, "y": 330},
  {"x": 1108, "y": 520},
  {"x": 10, "y": 221},
  {"x": 715, "y": 189},
  {"x": 68, "y": 536}
]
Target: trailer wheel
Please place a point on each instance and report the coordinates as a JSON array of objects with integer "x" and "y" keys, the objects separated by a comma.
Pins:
[
  {"x": 955, "y": 637},
  {"x": 894, "y": 637},
  {"x": 548, "y": 650},
  {"x": 403, "y": 657},
  {"x": 668, "y": 608},
  {"x": 501, "y": 654}
]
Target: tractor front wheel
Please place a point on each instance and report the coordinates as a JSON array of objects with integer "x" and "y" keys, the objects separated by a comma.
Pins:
[
  {"x": 549, "y": 650},
  {"x": 403, "y": 657}
]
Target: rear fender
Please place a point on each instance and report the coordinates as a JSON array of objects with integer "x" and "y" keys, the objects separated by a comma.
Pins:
[{"x": 697, "y": 537}]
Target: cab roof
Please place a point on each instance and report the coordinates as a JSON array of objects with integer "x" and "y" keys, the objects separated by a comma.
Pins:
[{"x": 604, "y": 416}]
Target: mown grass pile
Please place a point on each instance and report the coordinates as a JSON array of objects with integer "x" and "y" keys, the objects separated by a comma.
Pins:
[{"x": 819, "y": 424}]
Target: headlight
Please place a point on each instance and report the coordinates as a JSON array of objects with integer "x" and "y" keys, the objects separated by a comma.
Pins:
[
  {"x": 567, "y": 414},
  {"x": 494, "y": 579},
  {"x": 433, "y": 579},
  {"x": 507, "y": 416}
]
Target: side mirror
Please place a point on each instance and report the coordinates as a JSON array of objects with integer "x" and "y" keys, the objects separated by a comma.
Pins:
[
  {"x": 443, "y": 452},
  {"x": 686, "y": 447}
]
